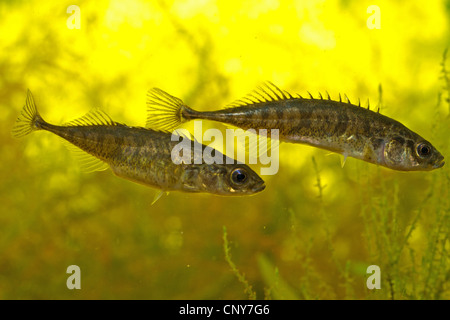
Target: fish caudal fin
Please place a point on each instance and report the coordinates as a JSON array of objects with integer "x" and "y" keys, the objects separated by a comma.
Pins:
[
  {"x": 164, "y": 110},
  {"x": 29, "y": 120}
]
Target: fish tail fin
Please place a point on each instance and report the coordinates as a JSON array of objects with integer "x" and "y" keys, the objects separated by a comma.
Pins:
[
  {"x": 165, "y": 112},
  {"x": 29, "y": 119}
]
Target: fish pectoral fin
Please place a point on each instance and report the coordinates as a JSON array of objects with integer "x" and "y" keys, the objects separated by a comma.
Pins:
[
  {"x": 87, "y": 162},
  {"x": 158, "y": 195}
]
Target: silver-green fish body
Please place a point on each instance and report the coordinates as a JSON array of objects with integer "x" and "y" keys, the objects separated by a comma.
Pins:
[
  {"x": 143, "y": 155},
  {"x": 332, "y": 125}
]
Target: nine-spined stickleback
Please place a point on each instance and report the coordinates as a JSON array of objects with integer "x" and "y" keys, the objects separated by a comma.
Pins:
[
  {"x": 336, "y": 126},
  {"x": 143, "y": 155}
]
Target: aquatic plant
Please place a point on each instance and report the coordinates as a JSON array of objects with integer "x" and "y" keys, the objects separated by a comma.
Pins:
[{"x": 411, "y": 247}]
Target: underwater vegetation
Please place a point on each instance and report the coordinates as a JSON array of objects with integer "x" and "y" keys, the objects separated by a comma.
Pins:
[
  {"x": 407, "y": 273},
  {"x": 315, "y": 229}
]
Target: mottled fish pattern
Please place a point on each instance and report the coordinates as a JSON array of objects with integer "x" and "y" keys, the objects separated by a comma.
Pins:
[
  {"x": 142, "y": 155},
  {"x": 337, "y": 126}
]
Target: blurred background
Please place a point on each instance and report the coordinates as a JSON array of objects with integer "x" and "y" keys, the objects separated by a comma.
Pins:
[{"x": 314, "y": 230}]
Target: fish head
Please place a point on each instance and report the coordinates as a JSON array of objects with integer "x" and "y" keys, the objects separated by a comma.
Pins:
[
  {"x": 230, "y": 179},
  {"x": 411, "y": 154}
]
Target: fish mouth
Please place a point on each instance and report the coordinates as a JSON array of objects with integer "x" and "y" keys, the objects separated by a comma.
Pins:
[
  {"x": 260, "y": 187},
  {"x": 440, "y": 164}
]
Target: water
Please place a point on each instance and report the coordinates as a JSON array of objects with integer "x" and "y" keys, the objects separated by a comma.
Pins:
[{"x": 298, "y": 239}]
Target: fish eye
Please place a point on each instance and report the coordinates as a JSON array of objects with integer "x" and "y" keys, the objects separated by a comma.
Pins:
[
  {"x": 239, "y": 176},
  {"x": 423, "y": 150}
]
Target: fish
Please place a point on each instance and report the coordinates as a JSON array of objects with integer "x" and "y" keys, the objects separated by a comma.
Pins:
[
  {"x": 337, "y": 126},
  {"x": 143, "y": 155}
]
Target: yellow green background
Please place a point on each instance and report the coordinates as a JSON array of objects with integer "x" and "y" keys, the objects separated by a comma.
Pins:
[{"x": 314, "y": 230}]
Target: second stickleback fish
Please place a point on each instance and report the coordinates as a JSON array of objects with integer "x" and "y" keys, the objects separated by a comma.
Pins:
[{"x": 142, "y": 155}]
